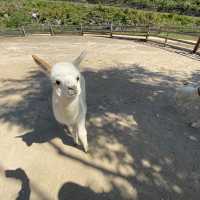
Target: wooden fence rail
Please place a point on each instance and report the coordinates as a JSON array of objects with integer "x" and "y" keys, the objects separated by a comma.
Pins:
[{"x": 147, "y": 31}]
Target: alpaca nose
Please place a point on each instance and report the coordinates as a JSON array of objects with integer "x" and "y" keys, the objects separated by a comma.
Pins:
[{"x": 72, "y": 88}]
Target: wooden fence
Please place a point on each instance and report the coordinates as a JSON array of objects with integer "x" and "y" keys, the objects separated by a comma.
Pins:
[{"x": 184, "y": 35}]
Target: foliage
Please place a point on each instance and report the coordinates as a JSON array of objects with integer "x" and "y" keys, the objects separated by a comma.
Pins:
[
  {"x": 16, "y": 13},
  {"x": 183, "y": 7}
]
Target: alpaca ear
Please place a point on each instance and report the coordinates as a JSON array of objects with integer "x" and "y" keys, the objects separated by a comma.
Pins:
[
  {"x": 79, "y": 59},
  {"x": 42, "y": 63}
]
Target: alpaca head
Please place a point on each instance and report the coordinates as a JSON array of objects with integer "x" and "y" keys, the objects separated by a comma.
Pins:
[{"x": 65, "y": 77}]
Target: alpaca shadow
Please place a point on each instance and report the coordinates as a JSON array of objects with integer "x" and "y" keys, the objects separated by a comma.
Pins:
[
  {"x": 43, "y": 135},
  {"x": 46, "y": 129},
  {"x": 25, "y": 191},
  {"x": 35, "y": 111}
]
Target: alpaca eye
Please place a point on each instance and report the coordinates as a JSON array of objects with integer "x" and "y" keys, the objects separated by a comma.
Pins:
[
  {"x": 78, "y": 78},
  {"x": 57, "y": 82}
]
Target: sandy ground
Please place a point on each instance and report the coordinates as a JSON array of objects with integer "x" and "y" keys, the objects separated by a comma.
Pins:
[{"x": 141, "y": 146}]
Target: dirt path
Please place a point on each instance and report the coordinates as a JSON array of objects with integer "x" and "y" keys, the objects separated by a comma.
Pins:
[{"x": 141, "y": 147}]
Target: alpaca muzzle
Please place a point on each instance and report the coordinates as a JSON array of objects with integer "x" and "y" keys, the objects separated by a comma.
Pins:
[{"x": 72, "y": 91}]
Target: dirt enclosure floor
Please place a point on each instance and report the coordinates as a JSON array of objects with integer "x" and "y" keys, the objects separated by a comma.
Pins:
[{"x": 141, "y": 144}]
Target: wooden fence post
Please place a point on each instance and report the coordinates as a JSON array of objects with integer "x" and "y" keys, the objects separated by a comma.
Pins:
[
  {"x": 196, "y": 46},
  {"x": 166, "y": 38},
  {"x": 51, "y": 29},
  {"x": 82, "y": 33},
  {"x": 148, "y": 32},
  {"x": 23, "y": 31},
  {"x": 111, "y": 30}
]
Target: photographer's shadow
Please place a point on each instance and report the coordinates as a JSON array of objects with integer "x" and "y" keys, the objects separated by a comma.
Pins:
[
  {"x": 19, "y": 174},
  {"x": 74, "y": 191}
]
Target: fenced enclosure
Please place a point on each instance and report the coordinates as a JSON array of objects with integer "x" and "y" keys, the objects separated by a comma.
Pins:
[
  {"x": 171, "y": 36},
  {"x": 136, "y": 130}
]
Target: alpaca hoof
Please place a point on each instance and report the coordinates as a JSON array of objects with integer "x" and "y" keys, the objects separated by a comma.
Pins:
[
  {"x": 75, "y": 145},
  {"x": 77, "y": 142},
  {"x": 85, "y": 149}
]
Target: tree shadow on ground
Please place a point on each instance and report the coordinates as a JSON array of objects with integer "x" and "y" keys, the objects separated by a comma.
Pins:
[
  {"x": 132, "y": 123},
  {"x": 157, "y": 138}
]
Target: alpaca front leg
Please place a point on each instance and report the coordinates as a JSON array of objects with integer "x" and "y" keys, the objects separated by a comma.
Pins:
[
  {"x": 68, "y": 130},
  {"x": 82, "y": 135},
  {"x": 75, "y": 135}
]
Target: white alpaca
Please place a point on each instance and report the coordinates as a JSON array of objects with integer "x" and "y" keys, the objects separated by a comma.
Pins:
[{"x": 69, "y": 96}]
